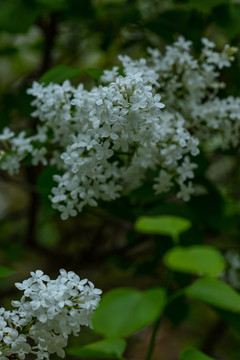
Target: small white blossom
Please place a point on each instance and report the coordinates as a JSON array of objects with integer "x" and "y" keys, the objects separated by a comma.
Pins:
[
  {"x": 47, "y": 314},
  {"x": 6, "y": 134}
]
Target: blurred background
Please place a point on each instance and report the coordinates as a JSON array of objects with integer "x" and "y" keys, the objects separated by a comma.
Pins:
[{"x": 101, "y": 243}]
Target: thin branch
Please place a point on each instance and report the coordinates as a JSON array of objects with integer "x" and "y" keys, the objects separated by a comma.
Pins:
[
  {"x": 49, "y": 28},
  {"x": 153, "y": 339}
]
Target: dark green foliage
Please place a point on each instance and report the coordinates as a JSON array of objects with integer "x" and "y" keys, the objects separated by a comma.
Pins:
[
  {"x": 109, "y": 349},
  {"x": 194, "y": 354},
  {"x": 124, "y": 311},
  {"x": 4, "y": 271},
  {"x": 150, "y": 253}
]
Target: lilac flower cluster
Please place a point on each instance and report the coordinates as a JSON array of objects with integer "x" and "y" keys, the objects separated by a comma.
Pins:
[
  {"x": 104, "y": 141},
  {"x": 48, "y": 312}
]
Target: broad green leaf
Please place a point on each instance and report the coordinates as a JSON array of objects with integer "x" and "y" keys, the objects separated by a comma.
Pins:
[
  {"x": 108, "y": 348},
  {"x": 95, "y": 73},
  {"x": 216, "y": 293},
  {"x": 45, "y": 181},
  {"x": 227, "y": 17},
  {"x": 194, "y": 354},
  {"x": 156, "y": 296},
  {"x": 59, "y": 74},
  {"x": 206, "y": 6},
  {"x": 5, "y": 271},
  {"x": 124, "y": 311},
  {"x": 17, "y": 16},
  {"x": 164, "y": 225},
  {"x": 196, "y": 259}
]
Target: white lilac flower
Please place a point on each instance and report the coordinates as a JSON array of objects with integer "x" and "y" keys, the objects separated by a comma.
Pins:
[
  {"x": 6, "y": 134},
  {"x": 105, "y": 140},
  {"x": 48, "y": 312}
]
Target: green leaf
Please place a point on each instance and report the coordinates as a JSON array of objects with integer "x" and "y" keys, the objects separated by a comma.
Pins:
[
  {"x": 95, "y": 73},
  {"x": 59, "y": 74},
  {"x": 5, "y": 271},
  {"x": 164, "y": 225},
  {"x": 108, "y": 348},
  {"x": 227, "y": 17},
  {"x": 216, "y": 293},
  {"x": 9, "y": 15},
  {"x": 194, "y": 354},
  {"x": 45, "y": 181},
  {"x": 196, "y": 259},
  {"x": 124, "y": 311},
  {"x": 206, "y": 6}
]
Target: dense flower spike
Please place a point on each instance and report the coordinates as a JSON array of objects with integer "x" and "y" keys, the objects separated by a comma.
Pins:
[
  {"x": 104, "y": 141},
  {"x": 48, "y": 312}
]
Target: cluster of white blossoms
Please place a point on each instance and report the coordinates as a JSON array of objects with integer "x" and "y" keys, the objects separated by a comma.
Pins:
[
  {"x": 104, "y": 141},
  {"x": 48, "y": 312}
]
